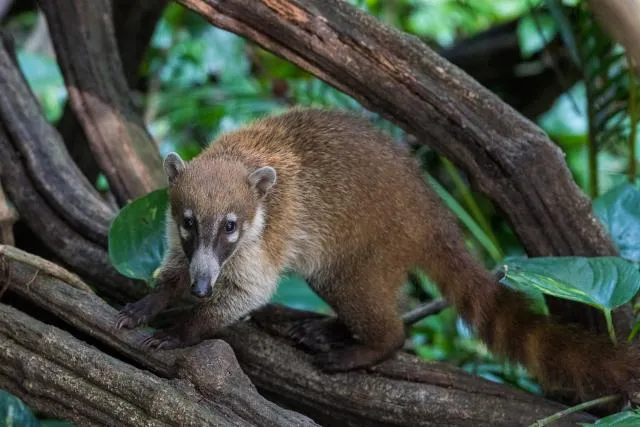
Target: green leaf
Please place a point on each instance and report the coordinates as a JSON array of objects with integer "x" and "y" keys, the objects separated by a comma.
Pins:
[
  {"x": 14, "y": 413},
  {"x": 294, "y": 292},
  {"x": 137, "y": 236},
  {"x": 602, "y": 282},
  {"x": 620, "y": 419},
  {"x": 534, "y": 33},
  {"x": 619, "y": 211}
]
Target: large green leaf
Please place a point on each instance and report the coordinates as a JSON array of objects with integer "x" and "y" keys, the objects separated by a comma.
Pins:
[
  {"x": 602, "y": 282},
  {"x": 294, "y": 292},
  {"x": 620, "y": 419},
  {"x": 14, "y": 413},
  {"x": 619, "y": 211},
  {"x": 137, "y": 241},
  {"x": 534, "y": 32}
]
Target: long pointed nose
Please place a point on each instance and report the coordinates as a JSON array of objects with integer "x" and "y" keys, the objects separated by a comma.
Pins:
[{"x": 202, "y": 288}]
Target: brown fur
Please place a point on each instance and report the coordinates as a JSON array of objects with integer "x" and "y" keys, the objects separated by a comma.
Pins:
[{"x": 351, "y": 212}]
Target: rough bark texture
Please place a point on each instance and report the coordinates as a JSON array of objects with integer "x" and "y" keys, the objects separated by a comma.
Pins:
[
  {"x": 42, "y": 150},
  {"x": 52, "y": 196},
  {"x": 134, "y": 24},
  {"x": 99, "y": 389},
  {"x": 402, "y": 391},
  {"x": 86, "y": 50}
]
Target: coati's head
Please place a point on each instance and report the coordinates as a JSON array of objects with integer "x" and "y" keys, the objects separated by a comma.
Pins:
[{"x": 216, "y": 205}]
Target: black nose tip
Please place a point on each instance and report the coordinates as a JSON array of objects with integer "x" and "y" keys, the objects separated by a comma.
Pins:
[{"x": 201, "y": 288}]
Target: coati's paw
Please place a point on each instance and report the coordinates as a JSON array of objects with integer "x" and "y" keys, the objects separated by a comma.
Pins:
[
  {"x": 134, "y": 314},
  {"x": 319, "y": 335},
  {"x": 349, "y": 358},
  {"x": 335, "y": 361},
  {"x": 165, "y": 339}
]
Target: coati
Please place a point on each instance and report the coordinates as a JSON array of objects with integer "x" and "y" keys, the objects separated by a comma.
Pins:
[{"x": 325, "y": 194}]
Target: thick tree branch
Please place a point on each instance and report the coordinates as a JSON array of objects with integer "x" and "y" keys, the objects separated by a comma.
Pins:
[
  {"x": 105, "y": 390},
  {"x": 86, "y": 50},
  {"x": 48, "y": 163},
  {"x": 404, "y": 391},
  {"x": 134, "y": 24},
  {"x": 87, "y": 258}
]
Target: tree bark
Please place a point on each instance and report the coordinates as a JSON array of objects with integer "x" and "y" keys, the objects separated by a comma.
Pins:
[
  {"x": 134, "y": 24},
  {"x": 87, "y": 53},
  {"x": 89, "y": 386},
  {"x": 402, "y": 391}
]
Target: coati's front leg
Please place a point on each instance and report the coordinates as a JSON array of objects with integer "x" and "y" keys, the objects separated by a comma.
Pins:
[
  {"x": 172, "y": 281},
  {"x": 228, "y": 304}
]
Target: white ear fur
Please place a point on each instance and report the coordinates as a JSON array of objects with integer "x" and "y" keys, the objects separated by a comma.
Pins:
[
  {"x": 173, "y": 166},
  {"x": 262, "y": 179}
]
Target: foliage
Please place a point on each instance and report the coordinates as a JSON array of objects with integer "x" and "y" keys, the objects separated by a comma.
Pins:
[
  {"x": 619, "y": 211},
  {"x": 137, "y": 242},
  {"x": 628, "y": 418},
  {"x": 604, "y": 283},
  {"x": 14, "y": 413},
  {"x": 612, "y": 102}
]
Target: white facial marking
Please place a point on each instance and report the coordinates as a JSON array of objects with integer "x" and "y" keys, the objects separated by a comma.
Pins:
[
  {"x": 233, "y": 237},
  {"x": 183, "y": 232},
  {"x": 256, "y": 227}
]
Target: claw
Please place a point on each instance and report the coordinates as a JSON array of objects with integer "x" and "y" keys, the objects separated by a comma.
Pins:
[{"x": 161, "y": 340}]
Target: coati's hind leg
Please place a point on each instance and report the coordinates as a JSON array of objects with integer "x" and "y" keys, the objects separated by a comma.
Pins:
[
  {"x": 365, "y": 301},
  {"x": 320, "y": 335}
]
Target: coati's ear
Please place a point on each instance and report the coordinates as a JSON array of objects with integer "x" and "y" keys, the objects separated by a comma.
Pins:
[
  {"x": 173, "y": 166},
  {"x": 262, "y": 179}
]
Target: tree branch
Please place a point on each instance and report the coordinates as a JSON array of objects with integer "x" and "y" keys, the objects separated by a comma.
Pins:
[
  {"x": 134, "y": 24},
  {"x": 51, "y": 169},
  {"x": 403, "y": 390},
  {"x": 104, "y": 390},
  {"x": 87, "y": 53}
]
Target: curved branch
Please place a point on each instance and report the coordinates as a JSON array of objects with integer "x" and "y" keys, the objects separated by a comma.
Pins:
[
  {"x": 86, "y": 50},
  {"x": 104, "y": 390},
  {"x": 48, "y": 163}
]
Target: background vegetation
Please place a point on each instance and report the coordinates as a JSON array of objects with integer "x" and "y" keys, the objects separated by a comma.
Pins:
[{"x": 198, "y": 81}]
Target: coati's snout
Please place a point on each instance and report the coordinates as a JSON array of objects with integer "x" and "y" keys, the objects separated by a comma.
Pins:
[{"x": 204, "y": 270}]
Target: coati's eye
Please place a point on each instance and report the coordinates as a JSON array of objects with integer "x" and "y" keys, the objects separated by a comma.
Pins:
[
  {"x": 230, "y": 227},
  {"x": 187, "y": 221}
]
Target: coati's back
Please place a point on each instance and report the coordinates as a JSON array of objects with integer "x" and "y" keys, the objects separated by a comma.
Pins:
[
  {"x": 350, "y": 211},
  {"x": 343, "y": 186}
]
